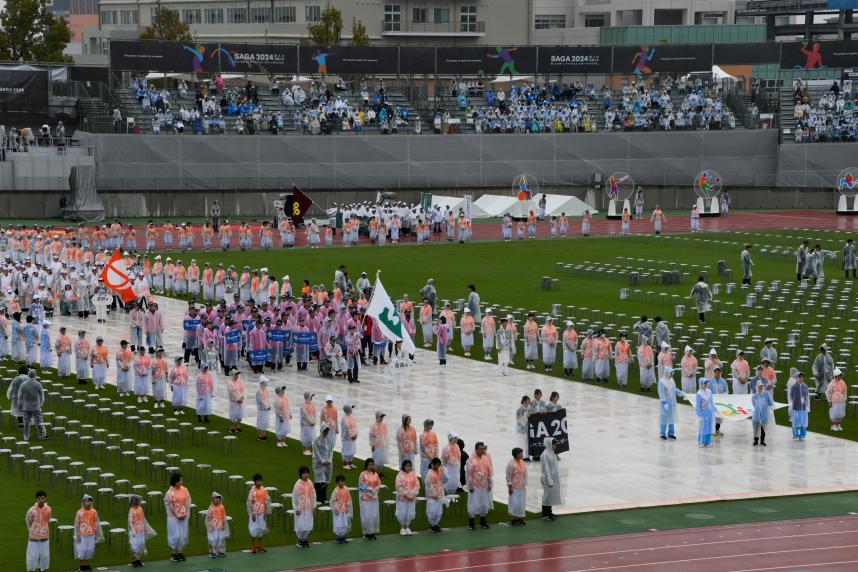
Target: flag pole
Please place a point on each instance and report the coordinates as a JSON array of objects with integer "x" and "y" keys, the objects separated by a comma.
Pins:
[
  {"x": 308, "y": 196},
  {"x": 377, "y": 273}
]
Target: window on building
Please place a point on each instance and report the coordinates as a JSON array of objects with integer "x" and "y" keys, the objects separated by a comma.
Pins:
[
  {"x": 213, "y": 15},
  {"x": 312, "y": 13},
  {"x": 595, "y": 20},
  {"x": 192, "y": 16},
  {"x": 153, "y": 13},
  {"x": 629, "y": 18},
  {"x": 392, "y": 17},
  {"x": 284, "y": 14},
  {"x": 260, "y": 15},
  {"x": 418, "y": 15},
  {"x": 548, "y": 21},
  {"x": 108, "y": 17},
  {"x": 468, "y": 18},
  {"x": 236, "y": 15},
  {"x": 442, "y": 15},
  {"x": 749, "y": 20},
  {"x": 710, "y": 18},
  {"x": 128, "y": 17},
  {"x": 669, "y": 17}
]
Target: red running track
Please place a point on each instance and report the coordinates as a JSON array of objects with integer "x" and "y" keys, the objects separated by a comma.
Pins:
[
  {"x": 757, "y": 220},
  {"x": 828, "y": 544}
]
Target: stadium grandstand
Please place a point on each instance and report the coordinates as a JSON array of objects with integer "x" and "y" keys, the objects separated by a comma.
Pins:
[{"x": 709, "y": 89}]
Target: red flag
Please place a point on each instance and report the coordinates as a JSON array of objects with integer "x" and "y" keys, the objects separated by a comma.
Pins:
[
  {"x": 299, "y": 205},
  {"x": 116, "y": 278}
]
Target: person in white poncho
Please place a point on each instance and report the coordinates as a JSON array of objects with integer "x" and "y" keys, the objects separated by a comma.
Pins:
[
  {"x": 87, "y": 533},
  {"x": 139, "y": 531},
  {"x": 258, "y": 508},
  {"x": 516, "y": 482},
  {"x": 552, "y": 487}
]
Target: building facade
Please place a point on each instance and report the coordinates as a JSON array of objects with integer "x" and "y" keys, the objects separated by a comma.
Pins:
[
  {"x": 396, "y": 22},
  {"x": 415, "y": 22}
]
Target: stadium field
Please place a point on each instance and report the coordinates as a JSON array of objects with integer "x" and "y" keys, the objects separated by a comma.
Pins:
[
  {"x": 509, "y": 275},
  {"x": 589, "y": 273}
]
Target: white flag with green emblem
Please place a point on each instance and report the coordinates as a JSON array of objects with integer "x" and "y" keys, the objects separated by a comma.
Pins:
[{"x": 382, "y": 309}]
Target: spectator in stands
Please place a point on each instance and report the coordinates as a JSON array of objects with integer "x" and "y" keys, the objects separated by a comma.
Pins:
[
  {"x": 183, "y": 89},
  {"x": 218, "y": 84},
  {"x": 117, "y": 119},
  {"x": 250, "y": 92},
  {"x": 833, "y": 118}
]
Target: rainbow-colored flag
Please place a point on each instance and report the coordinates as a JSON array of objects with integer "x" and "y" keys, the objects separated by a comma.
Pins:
[{"x": 733, "y": 407}]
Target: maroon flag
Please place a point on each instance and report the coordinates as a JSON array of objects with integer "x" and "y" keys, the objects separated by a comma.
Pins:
[{"x": 298, "y": 205}]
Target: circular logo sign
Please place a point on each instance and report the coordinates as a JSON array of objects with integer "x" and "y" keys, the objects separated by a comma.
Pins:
[
  {"x": 620, "y": 186},
  {"x": 524, "y": 186},
  {"x": 847, "y": 182},
  {"x": 707, "y": 184}
]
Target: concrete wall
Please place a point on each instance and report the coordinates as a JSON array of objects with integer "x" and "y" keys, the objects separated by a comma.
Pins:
[
  {"x": 217, "y": 163},
  {"x": 180, "y": 176},
  {"x": 41, "y": 169}
]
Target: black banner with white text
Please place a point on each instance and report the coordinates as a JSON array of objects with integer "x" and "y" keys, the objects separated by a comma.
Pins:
[
  {"x": 24, "y": 88},
  {"x": 202, "y": 57},
  {"x": 542, "y": 425}
]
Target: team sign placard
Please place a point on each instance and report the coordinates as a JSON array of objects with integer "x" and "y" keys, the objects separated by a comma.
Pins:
[{"x": 542, "y": 425}]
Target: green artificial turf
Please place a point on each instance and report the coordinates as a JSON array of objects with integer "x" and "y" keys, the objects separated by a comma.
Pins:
[
  {"x": 505, "y": 274},
  {"x": 509, "y": 274},
  {"x": 279, "y": 466}
]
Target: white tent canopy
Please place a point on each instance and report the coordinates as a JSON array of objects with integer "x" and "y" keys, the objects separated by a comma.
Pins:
[
  {"x": 718, "y": 74},
  {"x": 499, "y": 205},
  {"x": 496, "y": 205},
  {"x": 455, "y": 203},
  {"x": 190, "y": 76},
  {"x": 555, "y": 205},
  {"x": 511, "y": 78}
]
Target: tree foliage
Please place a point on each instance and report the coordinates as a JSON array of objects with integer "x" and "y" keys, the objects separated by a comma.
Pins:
[
  {"x": 30, "y": 32},
  {"x": 359, "y": 35},
  {"x": 328, "y": 30},
  {"x": 167, "y": 26}
]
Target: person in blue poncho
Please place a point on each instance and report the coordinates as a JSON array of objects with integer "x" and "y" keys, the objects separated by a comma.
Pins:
[
  {"x": 704, "y": 407},
  {"x": 667, "y": 394}
]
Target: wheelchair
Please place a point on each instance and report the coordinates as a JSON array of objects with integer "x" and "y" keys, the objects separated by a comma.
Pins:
[{"x": 324, "y": 367}]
